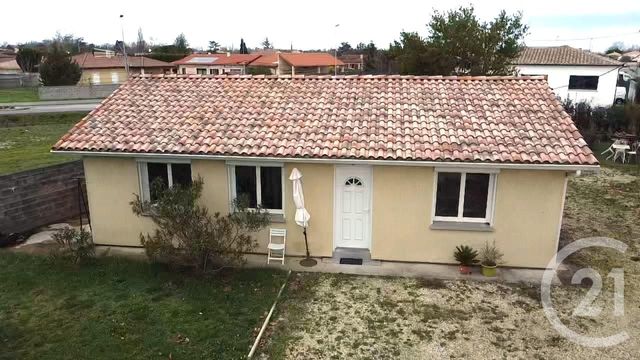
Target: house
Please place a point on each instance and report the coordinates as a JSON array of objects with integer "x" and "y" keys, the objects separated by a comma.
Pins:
[
  {"x": 573, "y": 73},
  {"x": 402, "y": 167},
  {"x": 215, "y": 64},
  {"x": 631, "y": 56},
  {"x": 109, "y": 68},
  {"x": 352, "y": 62},
  {"x": 9, "y": 66},
  {"x": 307, "y": 63},
  {"x": 266, "y": 62}
]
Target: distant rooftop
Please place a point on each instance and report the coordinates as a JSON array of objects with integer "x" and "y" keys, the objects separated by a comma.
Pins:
[{"x": 562, "y": 55}]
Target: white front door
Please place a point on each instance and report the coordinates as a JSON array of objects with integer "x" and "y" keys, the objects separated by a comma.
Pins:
[{"x": 352, "y": 215}]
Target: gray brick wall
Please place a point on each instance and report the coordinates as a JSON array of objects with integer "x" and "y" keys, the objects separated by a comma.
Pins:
[
  {"x": 38, "y": 197},
  {"x": 76, "y": 92}
]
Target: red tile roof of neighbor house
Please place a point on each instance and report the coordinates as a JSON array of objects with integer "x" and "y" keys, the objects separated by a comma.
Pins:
[
  {"x": 267, "y": 60},
  {"x": 413, "y": 118},
  {"x": 217, "y": 59},
  {"x": 310, "y": 59},
  {"x": 90, "y": 61},
  {"x": 562, "y": 55}
]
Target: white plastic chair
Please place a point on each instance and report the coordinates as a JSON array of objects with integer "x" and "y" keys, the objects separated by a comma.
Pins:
[
  {"x": 634, "y": 151},
  {"x": 276, "y": 250},
  {"x": 611, "y": 150}
]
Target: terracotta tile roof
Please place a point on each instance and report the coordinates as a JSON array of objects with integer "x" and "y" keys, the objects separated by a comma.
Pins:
[
  {"x": 217, "y": 59},
  {"x": 562, "y": 55},
  {"x": 479, "y": 119},
  {"x": 90, "y": 61},
  {"x": 310, "y": 59},
  {"x": 267, "y": 60}
]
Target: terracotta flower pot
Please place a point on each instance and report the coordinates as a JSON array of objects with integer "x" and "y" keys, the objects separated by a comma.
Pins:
[
  {"x": 464, "y": 269},
  {"x": 489, "y": 271}
]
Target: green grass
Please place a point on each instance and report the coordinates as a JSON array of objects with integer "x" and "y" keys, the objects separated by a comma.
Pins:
[
  {"x": 125, "y": 309},
  {"x": 25, "y": 140},
  {"x": 19, "y": 95}
]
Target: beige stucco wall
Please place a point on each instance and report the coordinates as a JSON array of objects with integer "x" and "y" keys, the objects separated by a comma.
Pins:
[
  {"x": 104, "y": 74},
  {"x": 112, "y": 183},
  {"x": 527, "y": 211}
]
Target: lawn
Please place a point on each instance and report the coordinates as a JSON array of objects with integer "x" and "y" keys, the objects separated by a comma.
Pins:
[
  {"x": 25, "y": 140},
  {"x": 125, "y": 309},
  {"x": 339, "y": 316},
  {"x": 19, "y": 95}
]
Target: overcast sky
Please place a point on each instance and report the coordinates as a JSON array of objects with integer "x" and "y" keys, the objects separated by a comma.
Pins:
[{"x": 306, "y": 24}]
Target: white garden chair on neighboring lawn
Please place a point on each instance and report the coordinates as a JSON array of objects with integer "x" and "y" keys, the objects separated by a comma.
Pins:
[
  {"x": 611, "y": 150},
  {"x": 634, "y": 151},
  {"x": 275, "y": 249}
]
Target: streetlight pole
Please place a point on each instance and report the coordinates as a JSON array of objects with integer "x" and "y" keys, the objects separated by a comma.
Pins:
[
  {"x": 335, "y": 65},
  {"x": 124, "y": 46}
]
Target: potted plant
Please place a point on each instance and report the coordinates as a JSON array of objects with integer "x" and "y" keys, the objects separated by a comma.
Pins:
[
  {"x": 466, "y": 256},
  {"x": 491, "y": 257}
]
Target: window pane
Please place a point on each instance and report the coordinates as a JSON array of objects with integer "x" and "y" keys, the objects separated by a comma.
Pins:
[
  {"x": 578, "y": 82},
  {"x": 476, "y": 192},
  {"x": 158, "y": 179},
  {"x": 271, "y": 187},
  {"x": 246, "y": 184},
  {"x": 181, "y": 174},
  {"x": 448, "y": 194}
]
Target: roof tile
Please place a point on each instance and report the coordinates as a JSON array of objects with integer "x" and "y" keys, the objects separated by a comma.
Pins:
[
  {"x": 562, "y": 55},
  {"x": 417, "y": 118}
]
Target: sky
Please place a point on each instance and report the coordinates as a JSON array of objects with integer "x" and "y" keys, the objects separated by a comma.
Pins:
[{"x": 306, "y": 25}]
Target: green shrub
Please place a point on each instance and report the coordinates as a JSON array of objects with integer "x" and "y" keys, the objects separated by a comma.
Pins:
[
  {"x": 465, "y": 255},
  {"x": 75, "y": 246},
  {"x": 490, "y": 254},
  {"x": 187, "y": 235}
]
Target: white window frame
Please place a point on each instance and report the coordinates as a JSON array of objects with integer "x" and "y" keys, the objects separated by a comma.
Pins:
[
  {"x": 95, "y": 78},
  {"x": 491, "y": 196},
  {"x": 115, "y": 79},
  {"x": 231, "y": 171},
  {"x": 143, "y": 175}
]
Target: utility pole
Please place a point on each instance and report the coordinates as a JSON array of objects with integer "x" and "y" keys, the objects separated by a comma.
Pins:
[{"x": 124, "y": 46}]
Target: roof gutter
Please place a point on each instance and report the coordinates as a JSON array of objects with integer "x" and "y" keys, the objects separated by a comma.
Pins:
[{"x": 453, "y": 164}]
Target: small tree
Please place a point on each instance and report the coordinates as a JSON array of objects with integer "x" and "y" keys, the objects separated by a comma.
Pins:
[
  {"x": 181, "y": 43},
  {"x": 28, "y": 59},
  {"x": 58, "y": 68},
  {"x": 213, "y": 46},
  {"x": 188, "y": 235},
  {"x": 243, "y": 47},
  {"x": 266, "y": 44}
]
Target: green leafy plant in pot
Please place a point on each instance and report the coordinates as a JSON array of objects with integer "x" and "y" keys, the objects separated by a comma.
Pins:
[
  {"x": 491, "y": 257},
  {"x": 466, "y": 256}
]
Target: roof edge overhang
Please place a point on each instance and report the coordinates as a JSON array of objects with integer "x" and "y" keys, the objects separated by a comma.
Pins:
[{"x": 442, "y": 164}]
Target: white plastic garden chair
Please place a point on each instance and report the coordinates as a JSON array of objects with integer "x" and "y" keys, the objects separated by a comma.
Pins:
[
  {"x": 634, "y": 151},
  {"x": 611, "y": 150},
  {"x": 276, "y": 249}
]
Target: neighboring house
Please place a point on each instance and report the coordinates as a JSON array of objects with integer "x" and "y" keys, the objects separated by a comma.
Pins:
[
  {"x": 352, "y": 62},
  {"x": 631, "y": 56},
  {"x": 109, "y": 68},
  {"x": 267, "y": 61},
  {"x": 9, "y": 65},
  {"x": 307, "y": 63},
  {"x": 573, "y": 73},
  {"x": 214, "y": 64},
  {"x": 402, "y": 167}
]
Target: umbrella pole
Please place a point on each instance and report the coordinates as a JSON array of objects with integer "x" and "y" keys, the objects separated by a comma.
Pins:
[{"x": 308, "y": 261}]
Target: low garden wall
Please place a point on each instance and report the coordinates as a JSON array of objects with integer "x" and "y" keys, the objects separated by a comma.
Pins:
[
  {"x": 33, "y": 198},
  {"x": 76, "y": 92}
]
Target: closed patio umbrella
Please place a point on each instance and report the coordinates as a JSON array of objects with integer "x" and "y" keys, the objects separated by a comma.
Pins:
[{"x": 302, "y": 215}]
